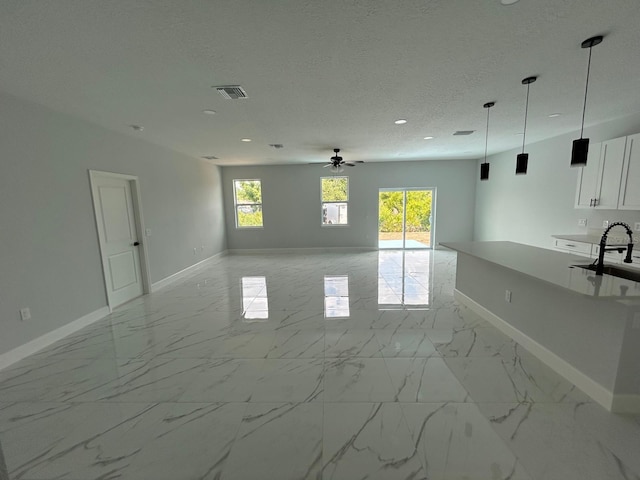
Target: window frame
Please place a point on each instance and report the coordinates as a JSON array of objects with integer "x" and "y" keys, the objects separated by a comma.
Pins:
[
  {"x": 323, "y": 203},
  {"x": 236, "y": 204}
]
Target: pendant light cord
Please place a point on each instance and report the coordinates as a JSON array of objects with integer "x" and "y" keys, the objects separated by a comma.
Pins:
[
  {"x": 586, "y": 89},
  {"x": 486, "y": 138},
  {"x": 526, "y": 112}
]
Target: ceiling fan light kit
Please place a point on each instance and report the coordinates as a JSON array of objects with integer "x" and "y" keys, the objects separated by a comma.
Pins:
[
  {"x": 580, "y": 149},
  {"x": 336, "y": 163}
]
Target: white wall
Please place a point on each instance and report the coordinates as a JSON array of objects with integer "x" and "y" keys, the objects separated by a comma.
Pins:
[
  {"x": 292, "y": 208},
  {"x": 49, "y": 253},
  {"x": 530, "y": 208}
]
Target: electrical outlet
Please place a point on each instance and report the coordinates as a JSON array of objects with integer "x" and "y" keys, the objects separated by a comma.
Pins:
[
  {"x": 636, "y": 226},
  {"x": 507, "y": 296},
  {"x": 147, "y": 232},
  {"x": 25, "y": 314},
  {"x": 582, "y": 222},
  {"x": 605, "y": 223}
]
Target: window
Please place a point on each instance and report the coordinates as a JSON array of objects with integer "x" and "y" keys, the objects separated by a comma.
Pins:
[
  {"x": 335, "y": 198},
  {"x": 248, "y": 201}
]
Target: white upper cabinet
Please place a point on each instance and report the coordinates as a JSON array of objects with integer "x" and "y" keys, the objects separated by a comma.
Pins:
[
  {"x": 600, "y": 180},
  {"x": 630, "y": 187},
  {"x": 611, "y": 161},
  {"x": 588, "y": 178}
]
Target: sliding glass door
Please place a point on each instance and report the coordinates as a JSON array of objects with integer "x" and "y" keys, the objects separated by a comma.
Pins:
[{"x": 405, "y": 218}]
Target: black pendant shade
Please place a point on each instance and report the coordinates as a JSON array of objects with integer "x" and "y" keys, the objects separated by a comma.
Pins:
[
  {"x": 484, "y": 171},
  {"x": 581, "y": 146},
  {"x": 484, "y": 167},
  {"x": 579, "y": 152},
  {"x": 522, "y": 160}
]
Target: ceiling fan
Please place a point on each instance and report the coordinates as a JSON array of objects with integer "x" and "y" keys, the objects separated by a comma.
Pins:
[{"x": 336, "y": 163}]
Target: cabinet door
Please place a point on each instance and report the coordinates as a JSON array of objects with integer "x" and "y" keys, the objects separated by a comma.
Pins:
[
  {"x": 630, "y": 187},
  {"x": 588, "y": 178},
  {"x": 611, "y": 160}
]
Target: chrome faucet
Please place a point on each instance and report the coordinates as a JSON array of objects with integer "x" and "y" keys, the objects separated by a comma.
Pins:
[{"x": 603, "y": 246}]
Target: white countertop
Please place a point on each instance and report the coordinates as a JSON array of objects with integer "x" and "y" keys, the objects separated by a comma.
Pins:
[{"x": 550, "y": 266}]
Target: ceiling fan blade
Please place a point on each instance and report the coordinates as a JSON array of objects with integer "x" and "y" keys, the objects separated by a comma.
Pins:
[
  {"x": 348, "y": 164},
  {"x": 358, "y": 161},
  {"x": 327, "y": 165}
]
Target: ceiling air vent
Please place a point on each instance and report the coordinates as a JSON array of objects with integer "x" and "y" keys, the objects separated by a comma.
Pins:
[
  {"x": 231, "y": 92},
  {"x": 464, "y": 132},
  {"x": 210, "y": 157},
  {"x": 276, "y": 145}
]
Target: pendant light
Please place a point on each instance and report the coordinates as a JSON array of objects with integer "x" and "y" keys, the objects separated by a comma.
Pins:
[
  {"x": 484, "y": 167},
  {"x": 522, "y": 160},
  {"x": 581, "y": 145}
]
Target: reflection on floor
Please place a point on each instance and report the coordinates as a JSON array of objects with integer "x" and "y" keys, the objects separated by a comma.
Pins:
[
  {"x": 396, "y": 244},
  {"x": 314, "y": 366}
]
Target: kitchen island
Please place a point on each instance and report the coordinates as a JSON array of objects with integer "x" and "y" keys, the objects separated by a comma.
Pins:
[{"x": 585, "y": 327}]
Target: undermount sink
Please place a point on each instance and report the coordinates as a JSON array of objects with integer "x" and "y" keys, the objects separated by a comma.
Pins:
[{"x": 615, "y": 271}]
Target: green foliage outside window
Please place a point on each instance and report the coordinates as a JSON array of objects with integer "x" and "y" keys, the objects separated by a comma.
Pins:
[
  {"x": 249, "y": 218},
  {"x": 418, "y": 211},
  {"x": 335, "y": 189},
  {"x": 248, "y": 191},
  {"x": 248, "y": 203}
]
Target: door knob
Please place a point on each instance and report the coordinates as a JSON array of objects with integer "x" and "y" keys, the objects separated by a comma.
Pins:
[{"x": 135, "y": 244}]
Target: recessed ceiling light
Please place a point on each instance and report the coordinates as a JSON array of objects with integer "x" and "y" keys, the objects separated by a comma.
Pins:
[
  {"x": 428, "y": 138},
  {"x": 137, "y": 128},
  {"x": 245, "y": 139},
  {"x": 209, "y": 112},
  {"x": 401, "y": 121},
  {"x": 554, "y": 115},
  {"x": 508, "y": 2}
]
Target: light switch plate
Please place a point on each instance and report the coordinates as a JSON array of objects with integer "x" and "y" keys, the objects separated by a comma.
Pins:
[
  {"x": 582, "y": 222},
  {"x": 636, "y": 226},
  {"x": 147, "y": 232},
  {"x": 605, "y": 223}
]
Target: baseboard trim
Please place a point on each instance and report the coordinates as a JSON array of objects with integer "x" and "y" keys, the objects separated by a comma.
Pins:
[
  {"x": 37, "y": 344},
  {"x": 258, "y": 251},
  {"x": 185, "y": 272},
  {"x": 626, "y": 404},
  {"x": 592, "y": 388}
]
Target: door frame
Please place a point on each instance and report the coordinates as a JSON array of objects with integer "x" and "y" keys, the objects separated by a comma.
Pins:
[
  {"x": 136, "y": 198},
  {"x": 404, "y": 216}
]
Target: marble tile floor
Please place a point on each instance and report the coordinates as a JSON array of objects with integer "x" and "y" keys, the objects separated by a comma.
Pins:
[{"x": 316, "y": 366}]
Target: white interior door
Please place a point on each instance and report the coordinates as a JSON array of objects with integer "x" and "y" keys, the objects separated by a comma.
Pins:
[{"x": 119, "y": 242}]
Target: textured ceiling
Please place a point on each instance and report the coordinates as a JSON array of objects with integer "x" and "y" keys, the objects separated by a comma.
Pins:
[{"x": 324, "y": 73}]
